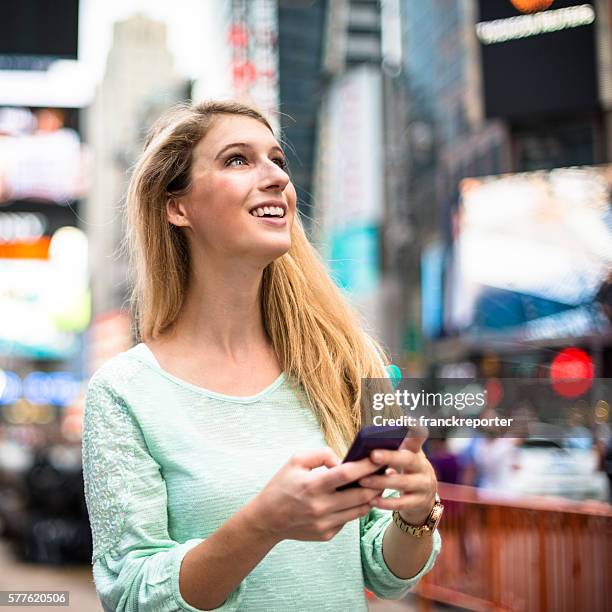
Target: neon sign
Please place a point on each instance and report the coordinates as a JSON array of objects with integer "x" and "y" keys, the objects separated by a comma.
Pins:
[{"x": 523, "y": 26}]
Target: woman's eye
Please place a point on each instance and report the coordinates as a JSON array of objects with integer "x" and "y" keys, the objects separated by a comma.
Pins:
[
  {"x": 280, "y": 162},
  {"x": 231, "y": 160}
]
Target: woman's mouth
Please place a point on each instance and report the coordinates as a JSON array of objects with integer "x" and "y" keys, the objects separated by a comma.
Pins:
[
  {"x": 272, "y": 215},
  {"x": 268, "y": 211}
]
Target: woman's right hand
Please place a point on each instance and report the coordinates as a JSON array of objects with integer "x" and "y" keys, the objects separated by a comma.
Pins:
[{"x": 301, "y": 503}]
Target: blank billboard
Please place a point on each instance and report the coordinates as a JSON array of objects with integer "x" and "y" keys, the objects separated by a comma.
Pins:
[
  {"x": 540, "y": 63},
  {"x": 40, "y": 27}
]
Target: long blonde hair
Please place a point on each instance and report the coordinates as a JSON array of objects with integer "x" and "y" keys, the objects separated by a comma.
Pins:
[{"x": 318, "y": 338}]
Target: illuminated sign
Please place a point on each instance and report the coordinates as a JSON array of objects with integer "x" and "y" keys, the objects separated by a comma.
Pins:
[
  {"x": 10, "y": 387},
  {"x": 522, "y": 26},
  {"x": 21, "y": 226},
  {"x": 46, "y": 166},
  {"x": 532, "y": 255},
  {"x": 45, "y": 303},
  {"x": 58, "y": 388},
  {"x": 252, "y": 36},
  {"x": 571, "y": 372},
  {"x": 40, "y": 156},
  {"x": 26, "y": 249}
]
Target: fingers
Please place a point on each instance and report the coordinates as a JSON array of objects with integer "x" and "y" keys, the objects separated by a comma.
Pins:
[
  {"x": 401, "y": 482},
  {"x": 341, "y": 500},
  {"x": 345, "y": 473},
  {"x": 337, "y": 519},
  {"x": 406, "y": 503},
  {"x": 402, "y": 459},
  {"x": 314, "y": 459}
]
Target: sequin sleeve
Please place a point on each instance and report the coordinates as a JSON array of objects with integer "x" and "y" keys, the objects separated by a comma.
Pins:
[
  {"x": 135, "y": 562},
  {"x": 377, "y": 575}
]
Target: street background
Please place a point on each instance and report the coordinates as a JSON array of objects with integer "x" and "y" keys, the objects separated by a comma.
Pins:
[{"x": 453, "y": 163}]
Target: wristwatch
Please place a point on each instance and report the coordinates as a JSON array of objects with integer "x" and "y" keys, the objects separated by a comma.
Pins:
[{"x": 429, "y": 526}]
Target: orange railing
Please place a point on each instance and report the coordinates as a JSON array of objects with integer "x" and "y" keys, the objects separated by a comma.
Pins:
[{"x": 530, "y": 554}]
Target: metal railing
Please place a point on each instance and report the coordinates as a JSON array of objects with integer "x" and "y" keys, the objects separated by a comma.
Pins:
[{"x": 528, "y": 554}]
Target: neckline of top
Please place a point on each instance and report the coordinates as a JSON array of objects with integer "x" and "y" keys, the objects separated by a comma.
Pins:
[{"x": 137, "y": 352}]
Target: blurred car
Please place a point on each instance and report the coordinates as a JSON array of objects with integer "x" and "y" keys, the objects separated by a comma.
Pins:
[{"x": 542, "y": 466}]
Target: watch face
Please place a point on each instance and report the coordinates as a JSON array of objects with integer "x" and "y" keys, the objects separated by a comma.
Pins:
[{"x": 436, "y": 516}]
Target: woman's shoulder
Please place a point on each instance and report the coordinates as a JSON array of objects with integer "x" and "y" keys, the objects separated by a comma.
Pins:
[{"x": 122, "y": 368}]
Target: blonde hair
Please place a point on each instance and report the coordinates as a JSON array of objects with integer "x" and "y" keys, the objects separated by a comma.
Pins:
[{"x": 317, "y": 336}]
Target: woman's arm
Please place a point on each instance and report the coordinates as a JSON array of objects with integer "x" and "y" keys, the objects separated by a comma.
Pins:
[
  {"x": 413, "y": 478},
  {"x": 383, "y": 574},
  {"x": 404, "y": 554},
  {"x": 297, "y": 503},
  {"x": 214, "y": 568}
]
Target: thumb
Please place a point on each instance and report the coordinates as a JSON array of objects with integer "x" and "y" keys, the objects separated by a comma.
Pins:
[
  {"x": 415, "y": 438},
  {"x": 314, "y": 459}
]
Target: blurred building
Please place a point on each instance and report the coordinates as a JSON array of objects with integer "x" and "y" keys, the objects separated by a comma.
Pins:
[
  {"x": 301, "y": 28},
  {"x": 493, "y": 90},
  {"x": 139, "y": 83},
  {"x": 356, "y": 181}
]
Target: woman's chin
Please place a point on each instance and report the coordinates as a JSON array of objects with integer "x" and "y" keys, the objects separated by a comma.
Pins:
[
  {"x": 278, "y": 249},
  {"x": 270, "y": 249}
]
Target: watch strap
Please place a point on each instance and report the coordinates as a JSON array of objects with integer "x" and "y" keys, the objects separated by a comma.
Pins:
[{"x": 428, "y": 526}]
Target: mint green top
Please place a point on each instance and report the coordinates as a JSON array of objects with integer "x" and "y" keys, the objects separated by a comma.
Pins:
[{"x": 166, "y": 463}]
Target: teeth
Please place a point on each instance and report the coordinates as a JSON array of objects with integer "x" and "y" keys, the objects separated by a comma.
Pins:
[{"x": 268, "y": 210}]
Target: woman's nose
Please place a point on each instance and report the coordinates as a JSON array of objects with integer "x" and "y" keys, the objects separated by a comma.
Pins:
[{"x": 274, "y": 175}]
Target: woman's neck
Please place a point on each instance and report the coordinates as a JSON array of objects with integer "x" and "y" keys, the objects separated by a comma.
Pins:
[{"x": 222, "y": 312}]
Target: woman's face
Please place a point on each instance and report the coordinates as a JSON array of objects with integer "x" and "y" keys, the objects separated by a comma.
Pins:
[{"x": 237, "y": 167}]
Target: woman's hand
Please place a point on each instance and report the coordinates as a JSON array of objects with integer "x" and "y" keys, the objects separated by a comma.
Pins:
[
  {"x": 302, "y": 504},
  {"x": 411, "y": 474}
]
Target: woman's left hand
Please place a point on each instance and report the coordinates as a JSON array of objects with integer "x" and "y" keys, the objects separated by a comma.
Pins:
[{"x": 411, "y": 474}]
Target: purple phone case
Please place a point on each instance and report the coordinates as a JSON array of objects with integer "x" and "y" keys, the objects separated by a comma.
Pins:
[{"x": 371, "y": 438}]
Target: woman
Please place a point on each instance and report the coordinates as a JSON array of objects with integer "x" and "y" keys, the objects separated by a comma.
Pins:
[{"x": 211, "y": 449}]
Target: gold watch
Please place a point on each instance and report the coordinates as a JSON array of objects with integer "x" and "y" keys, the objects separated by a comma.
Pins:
[{"x": 429, "y": 526}]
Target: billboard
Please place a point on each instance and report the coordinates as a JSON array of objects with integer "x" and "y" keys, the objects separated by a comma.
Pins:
[
  {"x": 40, "y": 28},
  {"x": 433, "y": 258},
  {"x": 44, "y": 292},
  {"x": 355, "y": 180},
  {"x": 41, "y": 158},
  {"x": 538, "y": 63},
  {"x": 349, "y": 196},
  {"x": 252, "y": 37},
  {"x": 45, "y": 302},
  {"x": 532, "y": 255}
]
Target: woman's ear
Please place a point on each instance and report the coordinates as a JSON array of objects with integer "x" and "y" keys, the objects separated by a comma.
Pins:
[{"x": 176, "y": 212}]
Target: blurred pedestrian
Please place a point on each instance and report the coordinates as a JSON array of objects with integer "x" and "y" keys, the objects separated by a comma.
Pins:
[
  {"x": 578, "y": 436},
  {"x": 488, "y": 458},
  {"x": 211, "y": 449},
  {"x": 445, "y": 463}
]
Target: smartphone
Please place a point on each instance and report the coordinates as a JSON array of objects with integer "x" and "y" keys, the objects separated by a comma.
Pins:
[{"x": 371, "y": 438}]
